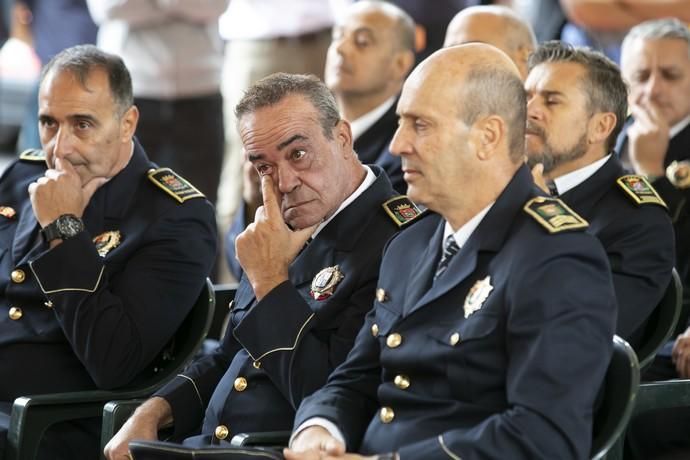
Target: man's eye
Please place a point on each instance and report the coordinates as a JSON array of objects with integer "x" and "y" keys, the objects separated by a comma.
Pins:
[
  {"x": 298, "y": 154},
  {"x": 83, "y": 125},
  {"x": 263, "y": 169}
]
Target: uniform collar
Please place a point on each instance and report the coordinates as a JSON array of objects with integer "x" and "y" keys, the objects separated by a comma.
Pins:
[
  {"x": 366, "y": 121},
  {"x": 574, "y": 178}
]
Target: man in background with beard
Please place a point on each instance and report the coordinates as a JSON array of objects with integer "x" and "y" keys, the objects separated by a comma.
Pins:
[{"x": 576, "y": 106}]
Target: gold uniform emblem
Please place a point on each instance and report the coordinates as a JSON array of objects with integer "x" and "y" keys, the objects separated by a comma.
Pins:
[
  {"x": 476, "y": 297},
  {"x": 639, "y": 189},
  {"x": 107, "y": 241},
  {"x": 678, "y": 172},
  {"x": 7, "y": 212},
  {"x": 554, "y": 215},
  {"x": 324, "y": 283}
]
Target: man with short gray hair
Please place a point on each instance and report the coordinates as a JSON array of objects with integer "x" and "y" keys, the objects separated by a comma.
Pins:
[{"x": 310, "y": 262}]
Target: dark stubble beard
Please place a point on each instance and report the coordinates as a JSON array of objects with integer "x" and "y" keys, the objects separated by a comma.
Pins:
[{"x": 552, "y": 158}]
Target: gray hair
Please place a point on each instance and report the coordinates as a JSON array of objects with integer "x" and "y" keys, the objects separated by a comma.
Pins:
[
  {"x": 658, "y": 29},
  {"x": 81, "y": 60},
  {"x": 489, "y": 90},
  {"x": 272, "y": 89},
  {"x": 603, "y": 83}
]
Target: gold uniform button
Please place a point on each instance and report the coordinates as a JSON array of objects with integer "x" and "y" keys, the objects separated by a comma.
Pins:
[
  {"x": 222, "y": 432},
  {"x": 257, "y": 364},
  {"x": 386, "y": 414},
  {"x": 394, "y": 340},
  {"x": 18, "y": 276},
  {"x": 375, "y": 330},
  {"x": 48, "y": 304},
  {"x": 381, "y": 295},
  {"x": 454, "y": 339},
  {"x": 402, "y": 382},
  {"x": 240, "y": 384},
  {"x": 16, "y": 313}
]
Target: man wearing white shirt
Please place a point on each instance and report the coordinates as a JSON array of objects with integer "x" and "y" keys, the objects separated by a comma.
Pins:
[
  {"x": 576, "y": 107},
  {"x": 476, "y": 303},
  {"x": 371, "y": 53}
]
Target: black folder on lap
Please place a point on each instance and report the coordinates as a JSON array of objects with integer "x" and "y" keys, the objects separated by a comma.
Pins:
[{"x": 160, "y": 450}]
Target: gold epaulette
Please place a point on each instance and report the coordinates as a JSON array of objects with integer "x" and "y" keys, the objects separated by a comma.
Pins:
[
  {"x": 173, "y": 184},
  {"x": 33, "y": 155},
  {"x": 554, "y": 215},
  {"x": 639, "y": 190},
  {"x": 402, "y": 210}
]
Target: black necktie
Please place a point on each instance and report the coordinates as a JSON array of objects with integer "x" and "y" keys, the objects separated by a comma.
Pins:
[
  {"x": 552, "y": 188},
  {"x": 450, "y": 248}
]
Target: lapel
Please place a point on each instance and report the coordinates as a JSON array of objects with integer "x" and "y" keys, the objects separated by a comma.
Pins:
[
  {"x": 375, "y": 140},
  {"x": 678, "y": 148},
  {"x": 421, "y": 277},
  {"x": 585, "y": 197},
  {"x": 487, "y": 237}
]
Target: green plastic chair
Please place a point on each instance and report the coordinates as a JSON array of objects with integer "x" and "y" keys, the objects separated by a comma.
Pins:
[{"x": 33, "y": 415}]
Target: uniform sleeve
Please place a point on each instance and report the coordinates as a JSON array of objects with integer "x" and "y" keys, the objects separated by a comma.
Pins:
[
  {"x": 117, "y": 317},
  {"x": 298, "y": 357},
  {"x": 641, "y": 254},
  {"x": 560, "y": 322}
]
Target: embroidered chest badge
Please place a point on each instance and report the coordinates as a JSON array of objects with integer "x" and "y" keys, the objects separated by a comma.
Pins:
[
  {"x": 325, "y": 282},
  {"x": 477, "y": 295},
  {"x": 107, "y": 241}
]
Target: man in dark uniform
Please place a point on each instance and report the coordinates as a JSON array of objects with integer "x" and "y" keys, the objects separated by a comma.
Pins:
[
  {"x": 655, "y": 61},
  {"x": 371, "y": 54},
  {"x": 478, "y": 303},
  {"x": 297, "y": 309},
  {"x": 576, "y": 104},
  {"x": 103, "y": 255}
]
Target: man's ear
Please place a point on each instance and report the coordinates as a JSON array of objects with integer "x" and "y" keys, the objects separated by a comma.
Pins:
[
  {"x": 600, "y": 127},
  {"x": 402, "y": 64},
  {"x": 488, "y": 134},
  {"x": 128, "y": 124},
  {"x": 343, "y": 135}
]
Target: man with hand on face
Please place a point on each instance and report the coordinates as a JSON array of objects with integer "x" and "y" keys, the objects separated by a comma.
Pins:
[
  {"x": 478, "y": 302},
  {"x": 655, "y": 61},
  {"x": 494, "y": 25},
  {"x": 576, "y": 104},
  {"x": 371, "y": 54},
  {"x": 310, "y": 262},
  {"x": 103, "y": 254}
]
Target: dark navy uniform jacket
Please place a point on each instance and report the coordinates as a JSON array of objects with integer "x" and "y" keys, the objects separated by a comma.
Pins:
[
  {"x": 431, "y": 378},
  {"x": 638, "y": 240},
  {"x": 71, "y": 319},
  {"x": 678, "y": 200},
  {"x": 373, "y": 147},
  {"x": 282, "y": 348}
]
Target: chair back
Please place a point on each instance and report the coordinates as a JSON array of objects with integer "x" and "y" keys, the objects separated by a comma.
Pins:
[
  {"x": 616, "y": 398},
  {"x": 662, "y": 323}
]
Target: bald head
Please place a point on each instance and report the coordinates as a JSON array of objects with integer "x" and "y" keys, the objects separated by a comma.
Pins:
[{"x": 495, "y": 25}]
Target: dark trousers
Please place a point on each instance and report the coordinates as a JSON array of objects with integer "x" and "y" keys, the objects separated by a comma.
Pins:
[{"x": 186, "y": 135}]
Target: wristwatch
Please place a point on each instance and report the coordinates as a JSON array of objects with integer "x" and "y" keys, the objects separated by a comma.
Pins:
[{"x": 64, "y": 227}]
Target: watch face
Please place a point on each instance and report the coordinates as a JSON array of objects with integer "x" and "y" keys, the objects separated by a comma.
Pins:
[{"x": 69, "y": 225}]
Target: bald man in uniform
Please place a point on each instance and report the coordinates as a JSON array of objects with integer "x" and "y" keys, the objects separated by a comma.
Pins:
[
  {"x": 478, "y": 302},
  {"x": 495, "y": 25}
]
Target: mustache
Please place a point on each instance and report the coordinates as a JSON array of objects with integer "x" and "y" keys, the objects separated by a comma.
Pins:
[{"x": 536, "y": 130}]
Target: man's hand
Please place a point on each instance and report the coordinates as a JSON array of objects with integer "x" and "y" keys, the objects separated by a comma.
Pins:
[
  {"x": 681, "y": 354},
  {"x": 60, "y": 191},
  {"x": 538, "y": 176},
  {"x": 316, "y": 443},
  {"x": 144, "y": 424},
  {"x": 267, "y": 246},
  {"x": 648, "y": 139}
]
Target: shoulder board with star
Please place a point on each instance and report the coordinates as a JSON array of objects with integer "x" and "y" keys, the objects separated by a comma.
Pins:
[
  {"x": 173, "y": 184},
  {"x": 554, "y": 215},
  {"x": 33, "y": 155},
  {"x": 638, "y": 189},
  {"x": 402, "y": 210}
]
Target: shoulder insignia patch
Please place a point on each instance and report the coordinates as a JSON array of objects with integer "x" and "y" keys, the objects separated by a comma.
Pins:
[
  {"x": 639, "y": 190},
  {"x": 173, "y": 184},
  {"x": 33, "y": 155},
  {"x": 402, "y": 210},
  {"x": 554, "y": 215}
]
